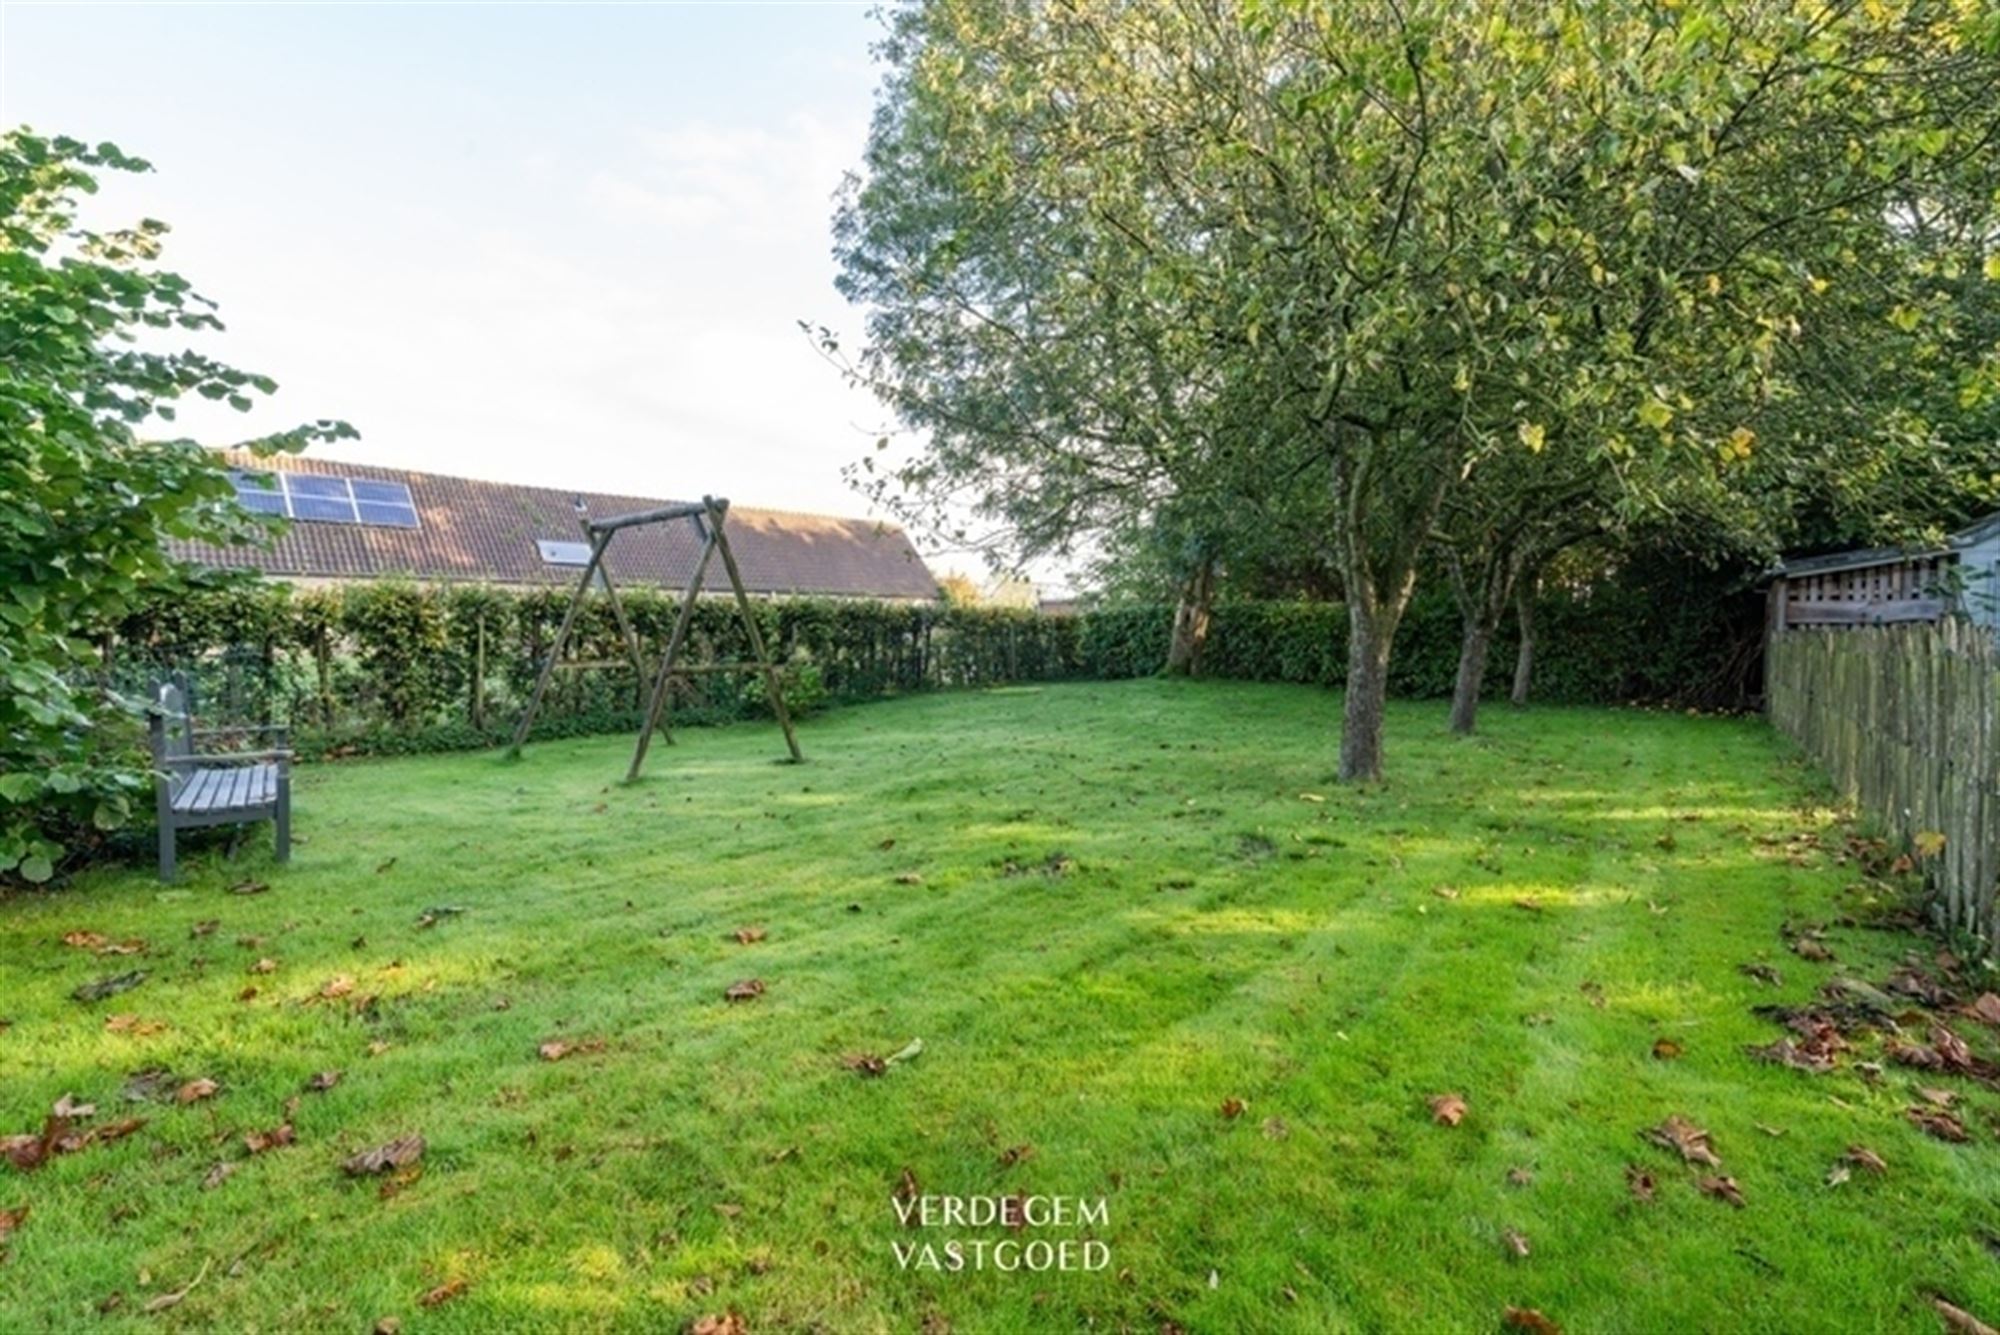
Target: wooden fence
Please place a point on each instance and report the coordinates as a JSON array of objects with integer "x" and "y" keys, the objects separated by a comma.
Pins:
[{"x": 1906, "y": 721}]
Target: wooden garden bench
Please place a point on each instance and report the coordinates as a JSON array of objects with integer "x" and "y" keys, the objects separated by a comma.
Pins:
[{"x": 195, "y": 787}]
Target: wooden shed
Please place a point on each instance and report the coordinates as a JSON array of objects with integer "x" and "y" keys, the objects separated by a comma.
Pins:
[{"x": 1881, "y": 585}]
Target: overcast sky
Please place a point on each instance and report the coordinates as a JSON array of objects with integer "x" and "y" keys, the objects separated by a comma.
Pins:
[{"x": 566, "y": 245}]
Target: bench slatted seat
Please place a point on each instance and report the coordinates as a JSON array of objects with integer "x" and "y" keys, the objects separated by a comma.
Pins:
[{"x": 195, "y": 787}]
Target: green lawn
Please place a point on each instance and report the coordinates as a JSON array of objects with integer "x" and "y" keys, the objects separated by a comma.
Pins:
[{"x": 1106, "y": 910}]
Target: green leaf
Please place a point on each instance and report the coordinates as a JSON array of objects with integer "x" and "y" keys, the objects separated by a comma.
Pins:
[{"x": 36, "y": 868}]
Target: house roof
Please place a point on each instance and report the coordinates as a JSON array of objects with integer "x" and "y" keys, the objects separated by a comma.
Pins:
[
  {"x": 1861, "y": 558},
  {"x": 486, "y": 532}
]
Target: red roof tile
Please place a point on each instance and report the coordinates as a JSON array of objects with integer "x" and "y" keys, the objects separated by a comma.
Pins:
[{"x": 486, "y": 531}]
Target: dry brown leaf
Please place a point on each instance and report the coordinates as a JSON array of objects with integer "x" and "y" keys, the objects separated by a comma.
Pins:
[
  {"x": 389, "y": 1325},
  {"x": 1723, "y": 1188},
  {"x": 1679, "y": 1134},
  {"x": 1445, "y": 891},
  {"x": 1520, "y": 1177},
  {"x": 1640, "y": 1183},
  {"x": 1232, "y": 1108},
  {"x": 11, "y": 1220},
  {"x": 1014, "y": 1154},
  {"x": 1447, "y": 1109},
  {"x": 1986, "y": 1009},
  {"x": 1763, "y": 973},
  {"x": 1517, "y": 1242},
  {"x": 217, "y": 1175},
  {"x": 745, "y": 989},
  {"x": 1863, "y": 1157},
  {"x": 1959, "y": 1321},
  {"x": 749, "y": 936},
  {"x": 1531, "y": 1320},
  {"x": 1811, "y": 948},
  {"x": 276, "y": 1138},
  {"x": 265, "y": 965},
  {"x": 1276, "y": 1129},
  {"x": 557, "y": 1048},
  {"x": 1943, "y": 1098},
  {"x": 394, "y": 1154},
  {"x": 84, "y": 940},
  {"x": 196, "y": 1090},
  {"x": 323, "y": 1081},
  {"x": 67, "y": 1106},
  {"x": 910, "y": 878},
  {"x": 865, "y": 1064},
  {"x": 719, "y": 1323},
  {"x": 1666, "y": 1049},
  {"x": 336, "y": 988},
  {"x": 249, "y": 888},
  {"x": 206, "y": 927},
  {"x": 1939, "y": 1123},
  {"x": 446, "y": 1291}
]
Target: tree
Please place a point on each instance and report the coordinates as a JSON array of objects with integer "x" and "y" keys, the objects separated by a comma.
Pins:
[
  {"x": 87, "y": 504},
  {"x": 1341, "y": 257}
]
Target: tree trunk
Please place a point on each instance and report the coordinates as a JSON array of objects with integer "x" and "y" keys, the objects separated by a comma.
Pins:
[
  {"x": 1472, "y": 650},
  {"x": 1524, "y": 658},
  {"x": 1191, "y": 618},
  {"x": 1369, "y": 635}
]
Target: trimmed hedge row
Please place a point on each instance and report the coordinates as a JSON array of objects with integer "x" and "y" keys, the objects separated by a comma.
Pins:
[{"x": 395, "y": 667}]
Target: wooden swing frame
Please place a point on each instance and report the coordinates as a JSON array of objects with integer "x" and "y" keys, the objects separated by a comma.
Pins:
[{"x": 710, "y": 518}]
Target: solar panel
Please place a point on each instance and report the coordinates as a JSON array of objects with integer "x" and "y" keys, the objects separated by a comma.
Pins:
[{"x": 326, "y": 500}]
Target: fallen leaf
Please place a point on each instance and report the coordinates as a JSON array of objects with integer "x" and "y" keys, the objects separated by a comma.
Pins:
[
  {"x": 1943, "y": 1098},
  {"x": 152, "y": 1083},
  {"x": 1445, "y": 891},
  {"x": 336, "y": 988},
  {"x": 323, "y": 1081},
  {"x": 1838, "y": 1174},
  {"x": 1959, "y": 1321},
  {"x": 1640, "y": 1183},
  {"x": 1863, "y": 1157},
  {"x": 1986, "y": 1009},
  {"x": 746, "y": 989},
  {"x": 217, "y": 1175},
  {"x": 196, "y": 1090},
  {"x": 249, "y": 888},
  {"x": 910, "y": 878},
  {"x": 1275, "y": 1128},
  {"x": 1723, "y": 1188},
  {"x": 394, "y": 1184},
  {"x": 557, "y": 1048},
  {"x": 389, "y": 1325},
  {"x": 11, "y": 1220},
  {"x": 1447, "y": 1109},
  {"x": 265, "y": 965},
  {"x": 865, "y": 1064},
  {"x": 1531, "y": 1320},
  {"x": 910, "y": 1051},
  {"x": 1811, "y": 948},
  {"x": 173, "y": 1299},
  {"x": 1666, "y": 1049},
  {"x": 451, "y": 1288},
  {"x": 749, "y": 936},
  {"x": 1785, "y": 1052},
  {"x": 1520, "y": 1177},
  {"x": 394, "y": 1154},
  {"x": 1014, "y": 1154},
  {"x": 1517, "y": 1242},
  {"x": 719, "y": 1323},
  {"x": 67, "y": 1106},
  {"x": 277, "y": 1137},
  {"x": 1937, "y": 1122},
  {"x": 206, "y": 927},
  {"x": 1677, "y": 1133},
  {"x": 110, "y": 987},
  {"x": 1763, "y": 973},
  {"x": 1528, "y": 905},
  {"x": 84, "y": 940},
  {"x": 1928, "y": 843},
  {"x": 378, "y": 1047},
  {"x": 1232, "y": 1108}
]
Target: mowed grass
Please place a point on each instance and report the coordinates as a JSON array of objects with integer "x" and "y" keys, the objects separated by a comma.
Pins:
[{"x": 1106, "y": 910}]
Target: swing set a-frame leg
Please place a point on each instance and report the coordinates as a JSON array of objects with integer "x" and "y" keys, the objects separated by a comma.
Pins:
[
  {"x": 656, "y": 706},
  {"x": 719, "y": 510},
  {"x": 590, "y": 568}
]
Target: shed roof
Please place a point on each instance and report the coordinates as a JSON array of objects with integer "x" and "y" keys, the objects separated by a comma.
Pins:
[
  {"x": 472, "y": 530},
  {"x": 1862, "y": 557}
]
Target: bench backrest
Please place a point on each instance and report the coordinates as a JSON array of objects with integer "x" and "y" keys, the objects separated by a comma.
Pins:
[{"x": 172, "y": 730}]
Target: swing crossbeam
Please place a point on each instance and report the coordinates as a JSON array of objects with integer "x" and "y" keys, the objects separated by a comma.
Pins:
[{"x": 710, "y": 517}]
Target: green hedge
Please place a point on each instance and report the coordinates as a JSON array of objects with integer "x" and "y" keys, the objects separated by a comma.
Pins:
[{"x": 395, "y": 667}]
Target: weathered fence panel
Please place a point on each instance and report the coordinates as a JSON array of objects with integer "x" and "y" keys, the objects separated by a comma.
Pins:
[{"x": 1905, "y": 719}]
